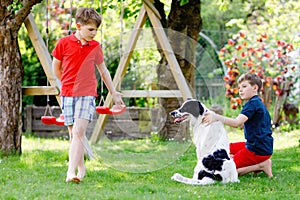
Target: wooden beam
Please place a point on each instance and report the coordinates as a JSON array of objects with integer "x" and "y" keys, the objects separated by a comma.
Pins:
[
  {"x": 40, "y": 90},
  {"x": 121, "y": 70},
  {"x": 147, "y": 8},
  {"x": 168, "y": 51},
  {"x": 152, "y": 7},
  {"x": 42, "y": 52},
  {"x": 152, "y": 93}
]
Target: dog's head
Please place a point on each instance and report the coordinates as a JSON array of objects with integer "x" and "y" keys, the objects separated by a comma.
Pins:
[{"x": 190, "y": 108}]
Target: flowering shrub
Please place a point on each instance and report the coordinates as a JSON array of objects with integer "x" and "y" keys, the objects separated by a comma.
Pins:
[{"x": 268, "y": 59}]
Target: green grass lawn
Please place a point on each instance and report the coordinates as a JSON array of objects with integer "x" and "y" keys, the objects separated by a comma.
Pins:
[{"x": 140, "y": 170}]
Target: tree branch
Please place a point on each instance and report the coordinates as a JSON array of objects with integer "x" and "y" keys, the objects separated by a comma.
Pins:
[{"x": 24, "y": 11}]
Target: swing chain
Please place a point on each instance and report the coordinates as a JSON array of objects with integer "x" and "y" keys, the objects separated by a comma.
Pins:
[
  {"x": 47, "y": 46},
  {"x": 71, "y": 14},
  {"x": 101, "y": 102},
  {"x": 48, "y": 109}
]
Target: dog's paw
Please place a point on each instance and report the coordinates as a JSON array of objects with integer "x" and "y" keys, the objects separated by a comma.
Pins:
[
  {"x": 177, "y": 177},
  {"x": 206, "y": 181}
]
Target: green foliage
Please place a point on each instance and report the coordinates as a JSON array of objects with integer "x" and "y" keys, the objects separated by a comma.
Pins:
[
  {"x": 33, "y": 71},
  {"x": 183, "y": 2},
  {"x": 216, "y": 14},
  {"x": 155, "y": 137},
  {"x": 221, "y": 19},
  {"x": 287, "y": 127},
  {"x": 15, "y": 6}
]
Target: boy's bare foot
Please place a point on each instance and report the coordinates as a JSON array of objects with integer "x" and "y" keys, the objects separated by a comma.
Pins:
[
  {"x": 81, "y": 173},
  {"x": 72, "y": 178},
  {"x": 266, "y": 166}
]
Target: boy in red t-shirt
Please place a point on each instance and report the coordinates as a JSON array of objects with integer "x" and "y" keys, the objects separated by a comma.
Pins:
[{"x": 74, "y": 60}]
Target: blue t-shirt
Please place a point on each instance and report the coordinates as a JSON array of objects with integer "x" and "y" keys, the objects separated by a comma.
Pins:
[{"x": 257, "y": 128}]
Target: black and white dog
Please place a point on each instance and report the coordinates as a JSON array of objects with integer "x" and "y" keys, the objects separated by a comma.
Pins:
[{"x": 212, "y": 147}]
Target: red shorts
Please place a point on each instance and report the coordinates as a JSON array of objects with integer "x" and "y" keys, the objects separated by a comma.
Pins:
[{"x": 243, "y": 157}]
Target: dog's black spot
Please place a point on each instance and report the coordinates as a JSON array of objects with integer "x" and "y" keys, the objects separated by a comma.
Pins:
[
  {"x": 193, "y": 107},
  {"x": 215, "y": 161},
  {"x": 173, "y": 113},
  {"x": 201, "y": 109},
  {"x": 221, "y": 154},
  {"x": 204, "y": 173}
]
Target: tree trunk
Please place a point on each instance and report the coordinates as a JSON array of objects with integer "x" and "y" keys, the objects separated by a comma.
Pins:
[
  {"x": 10, "y": 100},
  {"x": 11, "y": 74},
  {"x": 183, "y": 26}
]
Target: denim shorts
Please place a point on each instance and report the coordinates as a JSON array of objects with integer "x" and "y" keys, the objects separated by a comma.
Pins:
[{"x": 78, "y": 108}]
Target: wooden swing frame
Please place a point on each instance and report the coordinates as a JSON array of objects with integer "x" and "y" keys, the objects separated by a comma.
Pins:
[{"x": 147, "y": 10}]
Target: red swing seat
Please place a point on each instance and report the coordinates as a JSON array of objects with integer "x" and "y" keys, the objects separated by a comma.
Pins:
[
  {"x": 48, "y": 120},
  {"x": 115, "y": 110},
  {"x": 60, "y": 120}
]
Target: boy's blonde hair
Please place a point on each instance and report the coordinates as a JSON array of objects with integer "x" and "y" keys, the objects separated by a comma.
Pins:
[
  {"x": 86, "y": 16},
  {"x": 253, "y": 79}
]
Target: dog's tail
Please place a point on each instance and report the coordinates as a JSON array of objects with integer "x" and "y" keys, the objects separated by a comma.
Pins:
[{"x": 179, "y": 178}]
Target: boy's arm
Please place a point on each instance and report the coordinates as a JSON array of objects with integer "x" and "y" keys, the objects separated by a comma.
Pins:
[
  {"x": 105, "y": 75},
  {"x": 57, "y": 68},
  {"x": 233, "y": 122}
]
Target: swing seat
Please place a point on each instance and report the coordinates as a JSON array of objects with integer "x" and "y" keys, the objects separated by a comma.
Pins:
[
  {"x": 60, "y": 120},
  {"x": 48, "y": 120},
  {"x": 115, "y": 110}
]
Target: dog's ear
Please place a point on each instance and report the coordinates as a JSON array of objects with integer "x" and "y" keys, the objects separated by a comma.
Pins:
[{"x": 201, "y": 109}]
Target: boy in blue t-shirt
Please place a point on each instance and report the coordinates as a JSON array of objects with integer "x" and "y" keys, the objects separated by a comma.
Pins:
[{"x": 254, "y": 154}]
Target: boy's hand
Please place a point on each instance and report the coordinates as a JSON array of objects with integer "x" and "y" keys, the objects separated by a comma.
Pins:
[
  {"x": 117, "y": 97},
  {"x": 209, "y": 117}
]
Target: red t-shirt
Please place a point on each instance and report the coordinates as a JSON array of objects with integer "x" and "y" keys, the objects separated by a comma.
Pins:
[{"x": 78, "y": 62}]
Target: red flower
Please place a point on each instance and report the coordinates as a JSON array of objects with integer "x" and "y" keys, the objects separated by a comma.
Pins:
[
  {"x": 223, "y": 50},
  {"x": 235, "y": 91},
  {"x": 239, "y": 47},
  {"x": 249, "y": 64},
  {"x": 231, "y": 42},
  {"x": 228, "y": 62},
  {"x": 289, "y": 47},
  {"x": 250, "y": 49},
  {"x": 226, "y": 78},
  {"x": 259, "y": 39},
  {"x": 264, "y": 35},
  {"x": 239, "y": 100},
  {"x": 233, "y": 106},
  {"x": 279, "y": 92},
  {"x": 269, "y": 79},
  {"x": 267, "y": 55},
  {"x": 242, "y": 35}
]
